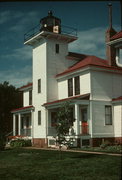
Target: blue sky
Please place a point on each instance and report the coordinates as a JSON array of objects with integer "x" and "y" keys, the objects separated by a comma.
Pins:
[{"x": 16, "y": 18}]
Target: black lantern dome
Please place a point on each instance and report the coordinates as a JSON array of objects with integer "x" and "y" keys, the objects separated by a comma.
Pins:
[{"x": 50, "y": 23}]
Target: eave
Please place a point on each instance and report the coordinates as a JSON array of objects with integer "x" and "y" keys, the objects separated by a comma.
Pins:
[{"x": 23, "y": 109}]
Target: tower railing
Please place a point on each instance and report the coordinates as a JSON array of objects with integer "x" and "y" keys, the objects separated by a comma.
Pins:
[{"x": 36, "y": 30}]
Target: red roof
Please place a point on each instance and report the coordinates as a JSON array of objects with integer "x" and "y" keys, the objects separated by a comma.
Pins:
[
  {"x": 88, "y": 60},
  {"x": 117, "y": 36},
  {"x": 22, "y": 108},
  {"x": 117, "y": 99},
  {"x": 26, "y": 86},
  {"x": 84, "y": 96},
  {"x": 76, "y": 56}
]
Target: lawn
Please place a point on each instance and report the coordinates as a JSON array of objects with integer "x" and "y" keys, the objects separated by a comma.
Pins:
[
  {"x": 109, "y": 149},
  {"x": 35, "y": 164}
]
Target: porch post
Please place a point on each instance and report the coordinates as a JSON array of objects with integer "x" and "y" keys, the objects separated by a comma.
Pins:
[
  {"x": 19, "y": 124},
  {"x": 32, "y": 124},
  {"x": 14, "y": 133},
  {"x": 77, "y": 118}
]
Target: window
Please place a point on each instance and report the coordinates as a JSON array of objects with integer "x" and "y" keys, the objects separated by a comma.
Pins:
[
  {"x": 22, "y": 122},
  {"x": 27, "y": 122},
  {"x": 70, "y": 87},
  {"x": 108, "y": 115},
  {"x": 53, "y": 119},
  {"x": 30, "y": 97},
  {"x": 77, "y": 85},
  {"x": 84, "y": 115},
  {"x": 57, "y": 48},
  {"x": 39, "y": 85},
  {"x": 39, "y": 117}
]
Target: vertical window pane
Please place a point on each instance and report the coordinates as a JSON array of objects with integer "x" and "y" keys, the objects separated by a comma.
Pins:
[
  {"x": 108, "y": 115},
  {"x": 39, "y": 85},
  {"x": 39, "y": 117},
  {"x": 57, "y": 48},
  {"x": 77, "y": 85},
  {"x": 70, "y": 87},
  {"x": 30, "y": 97}
]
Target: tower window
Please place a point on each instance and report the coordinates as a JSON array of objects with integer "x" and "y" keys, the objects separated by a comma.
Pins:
[
  {"x": 77, "y": 85},
  {"x": 39, "y": 85},
  {"x": 39, "y": 117},
  {"x": 70, "y": 87},
  {"x": 57, "y": 48},
  {"x": 108, "y": 115}
]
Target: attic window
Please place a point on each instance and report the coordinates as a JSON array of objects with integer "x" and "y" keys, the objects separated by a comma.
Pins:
[{"x": 57, "y": 48}]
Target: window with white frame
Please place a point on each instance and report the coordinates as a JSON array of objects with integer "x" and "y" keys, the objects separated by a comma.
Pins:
[
  {"x": 39, "y": 85},
  {"x": 108, "y": 115},
  {"x": 77, "y": 85},
  {"x": 39, "y": 117},
  {"x": 70, "y": 87},
  {"x": 74, "y": 86},
  {"x": 30, "y": 97}
]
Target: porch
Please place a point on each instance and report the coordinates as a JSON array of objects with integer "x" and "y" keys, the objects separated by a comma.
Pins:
[
  {"x": 22, "y": 121},
  {"x": 81, "y": 128}
]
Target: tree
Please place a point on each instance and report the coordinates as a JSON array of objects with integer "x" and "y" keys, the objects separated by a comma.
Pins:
[
  {"x": 10, "y": 98},
  {"x": 64, "y": 123}
]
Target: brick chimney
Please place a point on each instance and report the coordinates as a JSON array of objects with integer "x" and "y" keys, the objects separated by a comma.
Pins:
[{"x": 110, "y": 51}]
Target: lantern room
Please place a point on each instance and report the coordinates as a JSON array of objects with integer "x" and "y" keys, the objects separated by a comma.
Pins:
[{"x": 51, "y": 23}]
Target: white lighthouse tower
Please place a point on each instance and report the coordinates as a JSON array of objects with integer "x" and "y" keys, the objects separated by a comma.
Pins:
[{"x": 49, "y": 49}]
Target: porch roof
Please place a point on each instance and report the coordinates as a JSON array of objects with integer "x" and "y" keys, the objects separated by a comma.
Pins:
[
  {"x": 23, "y": 109},
  {"x": 118, "y": 99},
  {"x": 80, "y": 97}
]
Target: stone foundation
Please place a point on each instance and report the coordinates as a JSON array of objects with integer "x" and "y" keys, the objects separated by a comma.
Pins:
[
  {"x": 94, "y": 142},
  {"x": 39, "y": 142}
]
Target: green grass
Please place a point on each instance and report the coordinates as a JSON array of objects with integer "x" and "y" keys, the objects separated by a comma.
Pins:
[{"x": 35, "y": 164}]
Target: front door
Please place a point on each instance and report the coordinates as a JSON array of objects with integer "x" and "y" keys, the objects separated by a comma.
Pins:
[{"x": 84, "y": 121}]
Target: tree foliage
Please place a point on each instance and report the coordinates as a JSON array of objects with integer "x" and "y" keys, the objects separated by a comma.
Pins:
[
  {"x": 10, "y": 98},
  {"x": 64, "y": 123}
]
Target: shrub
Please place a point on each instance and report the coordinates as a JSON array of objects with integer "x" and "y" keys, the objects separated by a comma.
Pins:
[
  {"x": 20, "y": 143},
  {"x": 105, "y": 144}
]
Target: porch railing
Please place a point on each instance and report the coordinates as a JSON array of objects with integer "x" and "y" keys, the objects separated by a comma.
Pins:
[{"x": 36, "y": 30}]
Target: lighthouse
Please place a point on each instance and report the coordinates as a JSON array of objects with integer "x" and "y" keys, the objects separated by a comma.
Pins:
[{"x": 49, "y": 50}]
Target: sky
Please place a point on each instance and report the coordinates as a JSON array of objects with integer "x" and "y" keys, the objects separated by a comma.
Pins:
[{"x": 16, "y": 18}]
